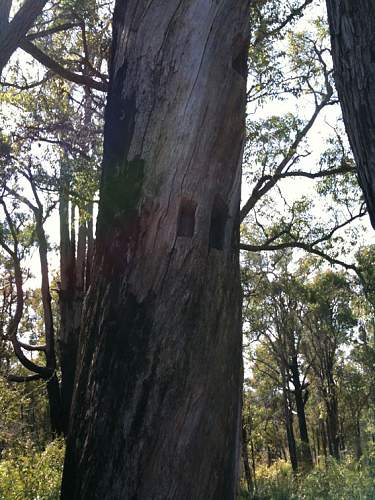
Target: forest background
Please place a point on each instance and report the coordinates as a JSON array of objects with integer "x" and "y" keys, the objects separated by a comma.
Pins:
[{"x": 307, "y": 261}]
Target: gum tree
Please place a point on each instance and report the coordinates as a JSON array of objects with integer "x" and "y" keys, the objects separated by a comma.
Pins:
[{"x": 156, "y": 410}]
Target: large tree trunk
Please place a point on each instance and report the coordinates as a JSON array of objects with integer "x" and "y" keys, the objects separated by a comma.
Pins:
[
  {"x": 352, "y": 28},
  {"x": 156, "y": 410}
]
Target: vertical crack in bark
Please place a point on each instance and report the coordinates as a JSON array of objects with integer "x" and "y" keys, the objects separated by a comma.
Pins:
[{"x": 202, "y": 57}]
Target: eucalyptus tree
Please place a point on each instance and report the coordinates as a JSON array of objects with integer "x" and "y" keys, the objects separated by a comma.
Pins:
[
  {"x": 273, "y": 314},
  {"x": 15, "y": 235},
  {"x": 354, "y": 387},
  {"x": 159, "y": 380},
  {"x": 329, "y": 323},
  {"x": 263, "y": 412},
  {"x": 52, "y": 142}
]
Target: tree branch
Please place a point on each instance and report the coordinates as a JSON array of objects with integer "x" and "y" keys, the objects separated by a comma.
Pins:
[
  {"x": 303, "y": 246},
  {"x": 49, "y": 63},
  {"x": 28, "y": 347},
  {"x": 23, "y": 378},
  {"x": 51, "y": 31},
  {"x": 265, "y": 183},
  {"x": 13, "y": 32},
  {"x": 293, "y": 14}
]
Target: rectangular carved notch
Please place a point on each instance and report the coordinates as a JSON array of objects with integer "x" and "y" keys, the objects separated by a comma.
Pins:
[
  {"x": 186, "y": 218},
  {"x": 219, "y": 218}
]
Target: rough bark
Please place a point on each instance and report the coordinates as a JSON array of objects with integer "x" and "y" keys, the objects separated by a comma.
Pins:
[
  {"x": 68, "y": 337},
  {"x": 156, "y": 410},
  {"x": 352, "y": 28}
]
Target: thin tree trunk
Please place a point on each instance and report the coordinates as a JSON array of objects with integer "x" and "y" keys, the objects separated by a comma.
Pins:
[
  {"x": 283, "y": 452},
  {"x": 300, "y": 407},
  {"x": 317, "y": 445},
  {"x": 269, "y": 457},
  {"x": 246, "y": 462},
  {"x": 342, "y": 436},
  {"x": 253, "y": 463},
  {"x": 80, "y": 272},
  {"x": 333, "y": 424},
  {"x": 53, "y": 387},
  {"x": 68, "y": 343},
  {"x": 288, "y": 418},
  {"x": 323, "y": 434},
  {"x": 156, "y": 411},
  {"x": 290, "y": 432},
  {"x": 90, "y": 244},
  {"x": 358, "y": 440}
]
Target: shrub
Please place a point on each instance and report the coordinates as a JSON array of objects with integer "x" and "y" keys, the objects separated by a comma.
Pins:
[
  {"x": 32, "y": 475},
  {"x": 333, "y": 481}
]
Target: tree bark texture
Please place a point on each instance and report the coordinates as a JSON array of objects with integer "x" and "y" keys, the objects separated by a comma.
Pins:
[
  {"x": 352, "y": 28},
  {"x": 156, "y": 409}
]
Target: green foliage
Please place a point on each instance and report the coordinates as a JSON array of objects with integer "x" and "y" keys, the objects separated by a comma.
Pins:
[
  {"x": 33, "y": 474},
  {"x": 333, "y": 481},
  {"x": 275, "y": 482},
  {"x": 23, "y": 415}
]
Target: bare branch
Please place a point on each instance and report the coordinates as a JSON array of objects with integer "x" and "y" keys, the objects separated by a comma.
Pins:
[
  {"x": 293, "y": 14},
  {"x": 29, "y": 347},
  {"x": 266, "y": 183},
  {"x": 51, "y": 31},
  {"x": 27, "y": 86},
  {"x": 23, "y": 378},
  {"x": 303, "y": 246},
  {"x": 54, "y": 66}
]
